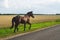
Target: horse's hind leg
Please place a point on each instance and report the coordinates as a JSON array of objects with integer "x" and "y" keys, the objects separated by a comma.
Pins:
[{"x": 16, "y": 27}]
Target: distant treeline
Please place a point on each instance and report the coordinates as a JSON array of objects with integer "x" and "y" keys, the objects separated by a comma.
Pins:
[
  {"x": 21, "y": 14},
  {"x": 11, "y": 14},
  {"x": 34, "y": 14},
  {"x": 57, "y": 14}
]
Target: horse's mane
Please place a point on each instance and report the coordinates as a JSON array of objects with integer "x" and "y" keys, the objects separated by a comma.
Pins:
[{"x": 30, "y": 12}]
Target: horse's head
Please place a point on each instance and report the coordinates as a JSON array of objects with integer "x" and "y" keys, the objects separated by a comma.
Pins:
[{"x": 31, "y": 14}]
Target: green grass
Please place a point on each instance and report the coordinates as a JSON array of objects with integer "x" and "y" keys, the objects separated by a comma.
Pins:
[{"x": 5, "y": 32}]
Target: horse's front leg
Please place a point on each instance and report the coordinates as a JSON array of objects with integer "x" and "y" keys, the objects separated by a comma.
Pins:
[
  {"x": 29, "y": 24},
  {"x": 24, "y": 26}
]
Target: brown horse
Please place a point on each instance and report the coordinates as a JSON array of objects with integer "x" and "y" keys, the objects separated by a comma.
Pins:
[{"x": 19, "y": 19}]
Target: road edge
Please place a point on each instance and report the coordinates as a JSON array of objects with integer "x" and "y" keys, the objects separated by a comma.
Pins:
[{"x": 28, "y": 32}]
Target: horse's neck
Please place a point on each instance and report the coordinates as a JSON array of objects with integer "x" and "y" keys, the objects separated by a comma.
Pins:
[{"x": 27, "y": 16}]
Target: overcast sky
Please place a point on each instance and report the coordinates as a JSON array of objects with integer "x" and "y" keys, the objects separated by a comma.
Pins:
[{"x": 23, "y": 6}]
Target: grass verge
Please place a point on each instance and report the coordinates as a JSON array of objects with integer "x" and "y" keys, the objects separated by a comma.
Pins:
[{"x": 5, "y": 32}]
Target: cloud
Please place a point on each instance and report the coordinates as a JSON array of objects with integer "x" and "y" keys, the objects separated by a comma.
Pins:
[
  {"x": 6, "y": 4},
  {"x": 22, "y": 6}
]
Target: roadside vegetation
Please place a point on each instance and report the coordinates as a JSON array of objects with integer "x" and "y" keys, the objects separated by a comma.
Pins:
[{"x": 6, "y": 31}]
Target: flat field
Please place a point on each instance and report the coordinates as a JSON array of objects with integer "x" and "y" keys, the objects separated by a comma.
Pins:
[
  {"x": 40, "y": 21},
  {"x": 5, "y": 20}
]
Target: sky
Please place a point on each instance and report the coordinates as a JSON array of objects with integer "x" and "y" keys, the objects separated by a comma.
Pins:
[{"x": 24, "y": 6}]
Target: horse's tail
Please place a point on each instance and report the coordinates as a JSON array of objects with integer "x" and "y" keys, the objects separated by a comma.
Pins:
[{"x": 13, "y": 20}]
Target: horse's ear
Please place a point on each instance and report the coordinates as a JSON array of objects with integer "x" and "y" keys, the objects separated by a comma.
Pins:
[{"x": 29, "y": 12}]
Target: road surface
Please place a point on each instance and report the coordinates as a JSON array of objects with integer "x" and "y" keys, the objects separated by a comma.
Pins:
[{"x": 47, "y": 34}]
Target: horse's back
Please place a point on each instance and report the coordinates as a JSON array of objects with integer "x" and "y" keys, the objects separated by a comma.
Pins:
[
  {"x": 16, "y": 18},
  {"x": 20, "y": 19}
]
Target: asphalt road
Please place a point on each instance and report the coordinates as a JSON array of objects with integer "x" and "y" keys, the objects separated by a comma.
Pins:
[{"x": 47, "y": 34}]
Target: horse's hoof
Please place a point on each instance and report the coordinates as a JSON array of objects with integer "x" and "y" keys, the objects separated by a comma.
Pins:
[
  {"x": 14, "y": 32},
  {"x": 29, "y": 28},
  {"x": 10, "y": 27},
  {"x": 23, "y": 30}
]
